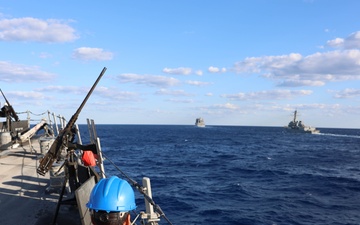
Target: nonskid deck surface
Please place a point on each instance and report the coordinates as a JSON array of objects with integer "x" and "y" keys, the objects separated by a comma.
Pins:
[{"x": 23, "y": 196}]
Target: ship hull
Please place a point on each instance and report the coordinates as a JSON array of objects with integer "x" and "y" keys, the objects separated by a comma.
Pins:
[{"x": 302, "y": 130}]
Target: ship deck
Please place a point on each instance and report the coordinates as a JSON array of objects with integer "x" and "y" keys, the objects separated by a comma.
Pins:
[{"x": 24, "y": 199}]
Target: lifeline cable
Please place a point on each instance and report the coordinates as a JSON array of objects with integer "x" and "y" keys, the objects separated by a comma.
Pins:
[{"x": 140, "y": 189}]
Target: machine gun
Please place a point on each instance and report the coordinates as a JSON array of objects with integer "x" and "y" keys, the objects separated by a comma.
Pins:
[
  {"x": 64, "y": 136},
  {"x": 9, "y": 109}
]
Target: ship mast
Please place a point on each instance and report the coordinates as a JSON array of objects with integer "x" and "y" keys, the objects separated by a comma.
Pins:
[{"x": 295, "y": 116}]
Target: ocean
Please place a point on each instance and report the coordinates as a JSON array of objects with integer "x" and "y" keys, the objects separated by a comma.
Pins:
[{"x": 238, "y": 174}]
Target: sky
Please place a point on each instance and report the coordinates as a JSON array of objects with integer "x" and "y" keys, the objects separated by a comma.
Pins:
[{"x": 233, "y": 63}]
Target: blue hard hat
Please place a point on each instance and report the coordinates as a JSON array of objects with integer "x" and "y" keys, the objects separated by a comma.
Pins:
[{"x": 112, "y": 195}]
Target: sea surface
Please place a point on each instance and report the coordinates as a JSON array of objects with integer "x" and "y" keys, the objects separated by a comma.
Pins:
[{"x": 238, "y": 174}]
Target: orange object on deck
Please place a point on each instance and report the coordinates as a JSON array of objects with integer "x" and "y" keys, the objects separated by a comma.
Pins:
[{"x": 88, "y": 158}]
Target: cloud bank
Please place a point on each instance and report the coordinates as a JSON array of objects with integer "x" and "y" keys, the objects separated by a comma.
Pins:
[{"x": 36, "y": 30}]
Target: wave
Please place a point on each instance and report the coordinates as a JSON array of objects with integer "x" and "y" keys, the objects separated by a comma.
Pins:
[{"x": 338, "y": 135}]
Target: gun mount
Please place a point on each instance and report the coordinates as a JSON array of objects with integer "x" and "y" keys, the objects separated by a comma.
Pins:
[
  {"x": 7, "y": 110},
  {"x": 65, "y": 136},
  {"x": 12, "y": 125}
]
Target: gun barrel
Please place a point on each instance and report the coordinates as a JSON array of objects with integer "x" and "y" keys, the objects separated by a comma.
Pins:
[{"x": 91, "y": 90}]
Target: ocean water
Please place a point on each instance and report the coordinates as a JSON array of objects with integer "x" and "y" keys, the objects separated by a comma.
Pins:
[{"x": 240, "y": 175}]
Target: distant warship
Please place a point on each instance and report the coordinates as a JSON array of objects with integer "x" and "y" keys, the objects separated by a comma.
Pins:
[
  {"x": 199, "y": 122},
  {"x": 299, "y": 127}
]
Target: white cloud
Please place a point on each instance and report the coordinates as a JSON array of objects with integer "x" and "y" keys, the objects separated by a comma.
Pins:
[
  {"x": 86, "y": 53},
  {"x": 313, "y": 70},
  {"x": 33, "y": 95},
  {"x": 266, "y": 63},
  {"x": 32, "y": 29},
  {"x": 150, "y": 80},
  {"x": 350, "y": 42},
  {"x": 180, "y": 100},
  {"x": 178, "y": 71},
  {"x": 213, "y": 69},
  {"x": 311, "y": 106},
  {"x": 16, "y": 73},
  {"x": 337, "y": 42},
  {"x": 347, "y": 93},
  {"x": 199, "y": 72},
  {"x": 227, "y": 106},
  {"x": 300, "y": 83},
  {"x": 108, "y": 93},
  {"x": 353, "y": 41},
  {"x": 197, "y": 83},
  {"x": 172, "y": 92},
  {"x": 266, "y": 95},
  {"x": 114, "y": 94},
  {"x": 64, "y": 89}
]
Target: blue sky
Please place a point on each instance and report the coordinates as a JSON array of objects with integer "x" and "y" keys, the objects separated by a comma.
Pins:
[{"x": 168, "y": 62}]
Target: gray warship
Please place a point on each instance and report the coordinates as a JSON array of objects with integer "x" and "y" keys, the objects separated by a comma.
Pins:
[
  {"x": 298, "y": 126},
  {"x": 199, "y": 122}
]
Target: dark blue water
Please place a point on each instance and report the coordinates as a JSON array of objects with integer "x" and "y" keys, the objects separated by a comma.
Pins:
[{"x": 240, "y": 175}]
